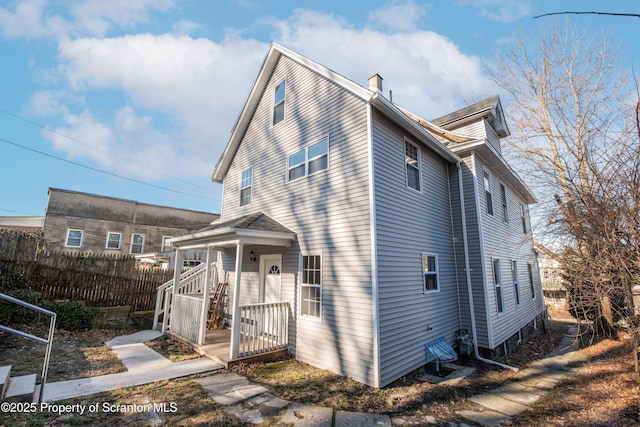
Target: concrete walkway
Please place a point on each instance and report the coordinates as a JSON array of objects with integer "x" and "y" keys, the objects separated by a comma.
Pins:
[
  {"x": 143, "y": 366},
  {"x": 526, "y": 388}
]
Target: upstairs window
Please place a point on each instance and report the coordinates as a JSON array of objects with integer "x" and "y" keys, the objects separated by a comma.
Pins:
[
  {"x": 309, "y": 160},
  {"x": 412, "y": 164},
  {"x": 514, "y": 274},
  {"x": 278, "y": 103},
  {"x": 523, "y": 218},
  {"x": 74, "y": 238},
  {"x": 246, "y": 182},
  {"x": 430, "y": 272},
  {"x": 533, "y": 289},
  {"x": 487, "y": 192},
  {"x": 137, "y": 243},
  {"x": 114, "y": 240},
  {"x": 505, "y": 207}
]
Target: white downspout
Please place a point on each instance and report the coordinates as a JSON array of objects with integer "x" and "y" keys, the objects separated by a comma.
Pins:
[{"x": 468, "y": 277}]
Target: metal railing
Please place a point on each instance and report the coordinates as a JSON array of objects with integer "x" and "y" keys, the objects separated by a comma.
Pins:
[{"x": 48, "y": 341}]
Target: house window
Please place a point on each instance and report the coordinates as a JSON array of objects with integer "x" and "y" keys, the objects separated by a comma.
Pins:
[
  {"x": 114, "y": 240},
  {"x": 74, "y": 238},
  {"x": 309, "y": 160},
  {"x": 311, "y": 286},
  {"x": 137, "y": 243},
  {"x": 246, "y": 181},
  {"x": 166, "y": 246},
  {"x": 530, "y": 272},
  {"x": 487, "y": 192},
  {"x": 505, "y": 208},
  {"x": 523, "y": 218},
  {"x": 278, "y": 103},
  {"x": 430, "y": 272},
  {"x": 497, "y": 280},
  {"x": 514, "y": 274},
  {"x": 412, "y": 163}
]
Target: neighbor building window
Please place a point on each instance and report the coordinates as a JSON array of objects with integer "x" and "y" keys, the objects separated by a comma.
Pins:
[
  {"x": 430, "y": 272},
  {"x": 412, "y": 165},
  {"x": 74, "y": 238},
  {"x": 309, "y": 160},
  {"x": 487, "y": 192},
  {"x": 514, "y": 274},
  {"x": 311, "y": 285},
  {"x": 137, "y": 243},
  {"x": 505, "y": 207},
  {"x": 246, "y": 181},
  {"x": 278, "y": 103},
  {"x": 114, "y": 240},
  {"x": 530, "y": 272},
  {"x": 497, "y": 280}
]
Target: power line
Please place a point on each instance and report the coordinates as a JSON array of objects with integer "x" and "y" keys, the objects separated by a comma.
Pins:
[
  {"x": 634, "y": 15},
  {"x": 102, "y": 171},
  {"x": 95, "y": 147}
]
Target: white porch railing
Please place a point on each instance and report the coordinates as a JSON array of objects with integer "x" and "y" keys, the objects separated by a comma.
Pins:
[
  {"x": 263, "y": 327},
  {"x": 191, "y": 282}
]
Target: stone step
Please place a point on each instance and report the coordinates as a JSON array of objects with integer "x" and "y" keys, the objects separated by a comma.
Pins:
[
  {"x": 21, "y": 389},
  {"x": 5, "y": 371}
]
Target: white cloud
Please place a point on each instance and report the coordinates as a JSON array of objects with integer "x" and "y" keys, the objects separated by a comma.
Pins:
[
  {"x": 500, "y": 10},
  {"x": 185, "y": 27},
  {"x": 183, "y": 94},
  {"x": 400, "y": 17},
  {"x": 28, "y": 19}
]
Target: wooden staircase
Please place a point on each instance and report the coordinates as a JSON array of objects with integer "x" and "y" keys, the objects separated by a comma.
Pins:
[{"x": 16, "y": 389}]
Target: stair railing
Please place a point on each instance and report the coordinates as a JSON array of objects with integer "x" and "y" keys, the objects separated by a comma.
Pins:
[{"x": 48, "y": 341}]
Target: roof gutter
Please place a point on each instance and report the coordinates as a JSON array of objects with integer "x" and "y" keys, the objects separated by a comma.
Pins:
[{"x": 467, "y": 270}]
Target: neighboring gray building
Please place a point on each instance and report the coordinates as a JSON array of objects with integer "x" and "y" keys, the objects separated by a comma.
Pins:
[
  {"x": 82, "y": 222},
  {"x": 382, "y": 231}
]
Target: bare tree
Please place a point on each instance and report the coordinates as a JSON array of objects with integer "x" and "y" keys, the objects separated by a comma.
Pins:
[{"x": 575, "y": 123}]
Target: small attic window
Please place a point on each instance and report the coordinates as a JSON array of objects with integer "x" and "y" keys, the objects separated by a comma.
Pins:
[{"x": 278, "y": 103}]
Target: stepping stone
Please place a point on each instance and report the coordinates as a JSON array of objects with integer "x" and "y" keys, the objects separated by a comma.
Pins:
[
  {"x": 519, "y": 393},
  {"x": 499, "y": 404},
  {"x": 354, "y": 419},
  {"x": 308, "y": 416},
  {"x": 485, "y": 418},
  {"x": 256, "y": 409},
  {"x": 228, "y": 389}
]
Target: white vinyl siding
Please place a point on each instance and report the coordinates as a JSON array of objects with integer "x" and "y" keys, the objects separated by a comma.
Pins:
[{"x": 328, "y": 210}]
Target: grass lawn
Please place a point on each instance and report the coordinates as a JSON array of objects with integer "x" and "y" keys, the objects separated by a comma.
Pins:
[{"x": 603, "y": 391}]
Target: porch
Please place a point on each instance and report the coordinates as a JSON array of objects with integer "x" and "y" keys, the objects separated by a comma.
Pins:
[{"x": 188, "y": 306}]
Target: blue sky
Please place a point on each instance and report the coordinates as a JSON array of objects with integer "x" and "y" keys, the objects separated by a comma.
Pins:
[{"x": 136, "y": 98}]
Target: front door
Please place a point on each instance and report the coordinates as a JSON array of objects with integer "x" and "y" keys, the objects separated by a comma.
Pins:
[{"x": 270, "y": 267}]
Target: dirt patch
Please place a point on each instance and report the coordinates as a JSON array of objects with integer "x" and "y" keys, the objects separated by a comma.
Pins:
[
  {"x": 78, "y": 354},
  {"x": 173, "y": 349}
]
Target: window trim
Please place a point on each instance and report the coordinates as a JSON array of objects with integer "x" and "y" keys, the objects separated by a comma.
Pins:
[
  {"x": 407, "y": 165},
  {"x": 488, "y": 192},
  {"x": 277, "y": 104},
  {"x": 141, "y": 245},
  {"x": 516, "y": 285},
  {"x": 505, "y": 204},
  {"x": 497, "y": 282},
  {"x": 424, "y": 274},
  {"x": 245, "y": 187},
  {"x": 66, "y": 241},
  {"x": 119, "y": 240},
  {"x": 308, "y": 160},
  {"x": 310, "y": 285}
]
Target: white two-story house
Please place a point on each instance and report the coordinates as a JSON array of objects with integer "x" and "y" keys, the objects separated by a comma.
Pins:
[{"x": 376, "y": 230}]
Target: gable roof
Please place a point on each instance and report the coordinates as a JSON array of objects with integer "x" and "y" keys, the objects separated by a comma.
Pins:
[
  {"x": 490, "y": 108},
  {"x": 274, "y": 54},
  {"x": 255, "y": 228}
]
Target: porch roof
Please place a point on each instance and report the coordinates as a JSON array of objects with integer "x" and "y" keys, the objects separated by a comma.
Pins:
[{"x": 256, "y": 228}]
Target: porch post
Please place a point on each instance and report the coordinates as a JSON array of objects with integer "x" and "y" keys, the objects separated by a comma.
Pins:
[
  {"x": 177, "y": 270},
  {"x": 235, "y": 310},
  {"x": 205, "y": 296}
]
